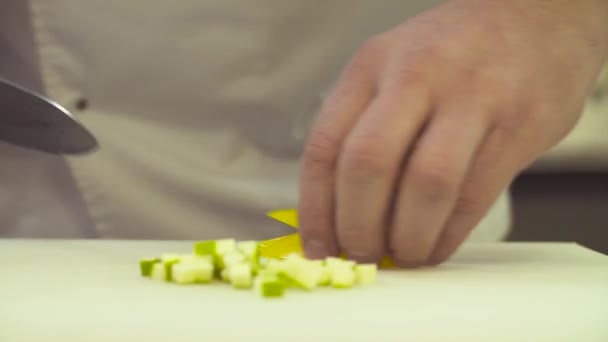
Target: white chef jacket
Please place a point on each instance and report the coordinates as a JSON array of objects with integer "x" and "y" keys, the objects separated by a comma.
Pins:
[{"x": 201, "y": 109}]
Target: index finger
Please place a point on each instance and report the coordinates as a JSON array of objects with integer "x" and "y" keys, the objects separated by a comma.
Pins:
[{"x": 340, "y": 111}]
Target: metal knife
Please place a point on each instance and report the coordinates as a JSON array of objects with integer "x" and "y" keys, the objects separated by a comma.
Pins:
[{"x": 32, "y": 121}]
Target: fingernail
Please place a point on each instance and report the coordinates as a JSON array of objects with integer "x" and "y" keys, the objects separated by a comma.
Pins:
[{"x": 316, "y": 249}]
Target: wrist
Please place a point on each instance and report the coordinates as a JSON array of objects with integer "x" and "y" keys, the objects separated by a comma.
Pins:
[{"x": 582, "y": 23}]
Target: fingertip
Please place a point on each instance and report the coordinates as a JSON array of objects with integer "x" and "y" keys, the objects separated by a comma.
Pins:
[
  {"x": 407, "y": 262},
  {"x": 444, "y": 250},
  {"x": 437, "y": 260},
  {"x": 316, "y": 229},
  {"x": 364, "y": 258},
  {"x": 318, "y": 249},
  {"x": 312, "y": 253}
]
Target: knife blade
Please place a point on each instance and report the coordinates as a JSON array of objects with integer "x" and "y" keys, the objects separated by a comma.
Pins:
[{"x": 32, "y": 121}]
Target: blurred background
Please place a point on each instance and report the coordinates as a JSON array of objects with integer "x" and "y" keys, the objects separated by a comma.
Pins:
[
  {"x": 564, "y": 196},
  {"x": 562, "y": 206}
]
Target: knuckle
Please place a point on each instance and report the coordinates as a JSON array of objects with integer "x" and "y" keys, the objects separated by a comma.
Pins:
[
  {"x": 500, "y": 99},
  {"x": 468, "y": 205},
  {"x": 373, "y": 47},
  {"x": 535, "y": 115},
  {"x": 366, "y": 58},
  {"x": 510, "y": 118},
  {"x": 321, "y": 150},
  {"x": 365, "y": 158},
  {"x": 498, "y": 96},
  {"x": 414, "y": 69},
  {"x": 490, "y": 85},
  {"x": 409, "y": 76},
  {"x": 428, "y": 53},
  {"x": 355, "y": 82},
  {"x": 357, "y": 74},
  {"x": 435, "y": 179},
  {"x": 510, "y": 121}
]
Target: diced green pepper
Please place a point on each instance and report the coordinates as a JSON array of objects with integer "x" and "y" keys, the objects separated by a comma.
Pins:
[
  {"x": 158, "y": 271},
  {"x": 343, "y": 276},
  {"x": 273, "y": 289},
  {"x": 224, "y": 246},
  {"x": 366, "y": 273},
  {"x": 240, "y": 264},
  {"x": 240, "y": 275},
  {"x": 146, "y": 265},
  {"x": 250, "y": 249},
  {"x": 205, "y": 248},
  {"x": 169, "y": 269},
  {"x": 270, "y": 286}
]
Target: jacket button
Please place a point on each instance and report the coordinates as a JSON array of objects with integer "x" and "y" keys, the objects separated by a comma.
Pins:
[{"x": 81, "y": 104}]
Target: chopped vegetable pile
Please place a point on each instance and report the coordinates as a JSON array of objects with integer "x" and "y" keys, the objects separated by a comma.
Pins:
[{"x": 239, "y": 264}]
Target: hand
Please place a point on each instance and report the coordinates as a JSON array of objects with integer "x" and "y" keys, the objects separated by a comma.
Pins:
[{"x": 432, "y": 120}]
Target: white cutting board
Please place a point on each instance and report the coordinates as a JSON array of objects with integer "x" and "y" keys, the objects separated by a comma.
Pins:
[{"x": 89, "y": 291}]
